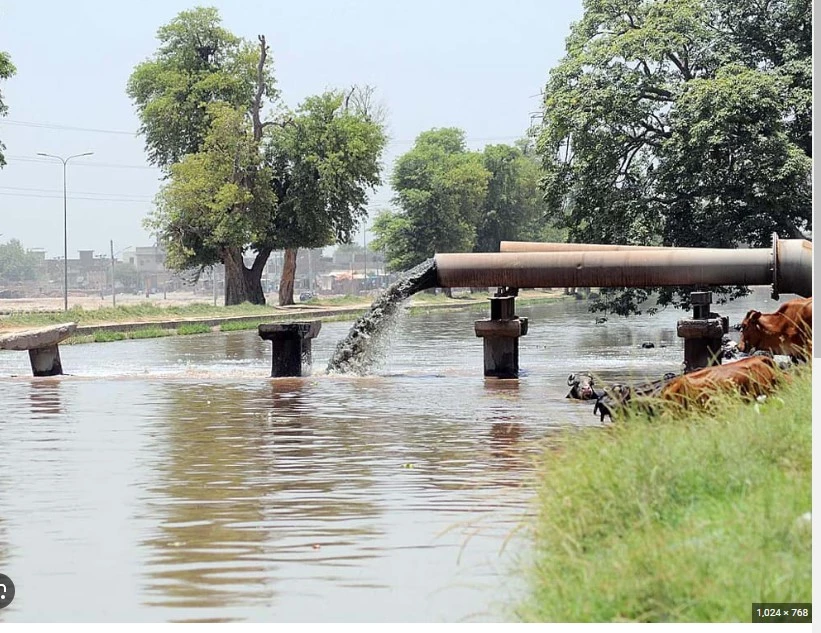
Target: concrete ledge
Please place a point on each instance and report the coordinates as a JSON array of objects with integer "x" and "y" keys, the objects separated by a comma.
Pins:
[
  {"x": 513, "y": 328},
  {"x": 35, "y": 338},
  {"x": 700, "y": 328}
]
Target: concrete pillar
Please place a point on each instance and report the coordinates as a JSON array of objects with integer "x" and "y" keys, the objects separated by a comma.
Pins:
[
  {"x": 291, "y": 346},
  {"x": 41, "y": 344},
  {"x": 45, "y": 361},
  {"x": 702, "y": 334},
  {"x": 501, "y": 337}
]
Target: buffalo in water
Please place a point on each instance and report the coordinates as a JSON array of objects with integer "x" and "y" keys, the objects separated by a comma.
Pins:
[
  {"x": 581, "y": 387},
  {"x": 618, "y": 395}
]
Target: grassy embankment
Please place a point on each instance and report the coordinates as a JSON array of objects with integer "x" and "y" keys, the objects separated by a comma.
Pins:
[
  {"x": 152, "y": 315},
  {"x": 677, "y": 518}
]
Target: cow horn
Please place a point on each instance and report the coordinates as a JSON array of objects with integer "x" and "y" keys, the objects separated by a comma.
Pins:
[{"x": 571, "y": 379}]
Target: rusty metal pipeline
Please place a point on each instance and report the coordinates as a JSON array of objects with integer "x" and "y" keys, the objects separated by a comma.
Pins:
[
  {"x": 787, "y": 266},
  {"x": 560, "y": 247}
]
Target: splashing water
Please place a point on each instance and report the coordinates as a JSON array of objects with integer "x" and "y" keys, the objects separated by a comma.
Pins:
[{"x": 357, "y": 352}]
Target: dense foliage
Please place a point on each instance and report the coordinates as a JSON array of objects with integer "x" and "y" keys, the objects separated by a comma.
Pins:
[
  {"x": 237, "y": 182},
  {"x": 451, "y": 199},
  {"x": 682, "y": 123}
]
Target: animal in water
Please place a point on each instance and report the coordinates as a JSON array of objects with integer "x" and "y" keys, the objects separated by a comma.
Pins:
[
  {"x": 729, "y": 348},
  {"x": 618, "y": 395},
  {"x": 648, "y": 345},
  {"x": 751, "y": 377},
  {"x": 600, "y": 320},
  {"x": 581, "y": 387},
  {"x": 786, "y": 331}
]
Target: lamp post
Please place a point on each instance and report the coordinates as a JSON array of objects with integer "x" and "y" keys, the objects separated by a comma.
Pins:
[{"x": 65, "y": 221}]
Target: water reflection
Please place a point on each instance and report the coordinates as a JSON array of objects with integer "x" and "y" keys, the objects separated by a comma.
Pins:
[
  {"x": 207, "y": 491},
  {"x": 44, "y": 398},
  {"x": 249, "y": 482}
]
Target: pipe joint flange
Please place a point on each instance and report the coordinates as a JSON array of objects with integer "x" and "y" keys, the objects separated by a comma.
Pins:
[{"x": 774, "y": 267}]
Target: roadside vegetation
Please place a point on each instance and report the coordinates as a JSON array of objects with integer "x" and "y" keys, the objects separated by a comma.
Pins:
[
  {"x": 677, "y": 518},
  {"x": 131, "y": 313},
  {"x": 155, "y": 316}
]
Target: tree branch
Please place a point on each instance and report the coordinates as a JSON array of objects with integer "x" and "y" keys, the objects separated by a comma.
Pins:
[
  {"x": 256, "y": 106},
  {"x": 261, "y": 259},
  {"x": 685, "y": 72}
]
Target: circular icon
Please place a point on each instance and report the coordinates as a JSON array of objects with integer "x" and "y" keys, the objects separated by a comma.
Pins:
[{"x": 6, "y": 591}]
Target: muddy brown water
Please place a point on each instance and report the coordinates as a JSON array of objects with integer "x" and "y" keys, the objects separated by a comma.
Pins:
[{"x": 172, "y": 480}]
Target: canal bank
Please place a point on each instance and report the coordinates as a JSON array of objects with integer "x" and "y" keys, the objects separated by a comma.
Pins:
[
  {"x": 677, "y": 518},
  {"x": 149, "y": 321}
]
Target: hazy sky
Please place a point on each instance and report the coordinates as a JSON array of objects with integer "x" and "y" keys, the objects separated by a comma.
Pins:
[{"x": 476, "y": 65}]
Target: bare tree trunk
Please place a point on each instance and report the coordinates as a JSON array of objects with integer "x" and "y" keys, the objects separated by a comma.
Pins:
[
  {"x": 286, "y": 283},
  {"x": 243, "y": 284}
]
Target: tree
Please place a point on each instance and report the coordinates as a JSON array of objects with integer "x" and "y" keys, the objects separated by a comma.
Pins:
[
  {"x": 682, "y": 123},
  {"x": 7, "y": 69},
  {"x": 513, "y": 208},
  {"x": 440, "y": 187},
  {"x": 17, "y": 264},
  {"x": 237, "y": 183},
  {"x": 217, "y": 204},
  {"x": 324, "y": 159},
  {"x": 197, "y": 63}
]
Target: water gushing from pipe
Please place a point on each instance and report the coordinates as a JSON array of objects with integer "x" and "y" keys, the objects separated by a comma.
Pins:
[{"x": 357, "y": 352}]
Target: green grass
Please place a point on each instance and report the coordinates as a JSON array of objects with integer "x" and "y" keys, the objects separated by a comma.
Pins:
[
  {"x": 234, "y": 326},
  {"x": 145, "y": 311},
  {"x": 346, "y": 300},
  {"x": 676, "y": 518},
  {"x": 193, "y": 328},
  {"x": 106, "y": 336},
  {"x": 150, "y": 332}
]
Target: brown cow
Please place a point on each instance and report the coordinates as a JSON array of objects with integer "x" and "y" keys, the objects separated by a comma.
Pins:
[
  {"x": 751, "y": 376},
  {"x": 786, "y": 331}
]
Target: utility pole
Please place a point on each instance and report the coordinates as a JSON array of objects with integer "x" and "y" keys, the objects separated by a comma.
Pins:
[
  {"x": 65, "y": 221},
  {"x": 113, "y": 283},
  {"x": 365, "y": 263}
]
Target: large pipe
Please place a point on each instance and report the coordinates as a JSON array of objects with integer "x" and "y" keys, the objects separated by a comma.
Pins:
[
  {"x": 560, "y": 247},
  {"x": 787, "y": 266}
]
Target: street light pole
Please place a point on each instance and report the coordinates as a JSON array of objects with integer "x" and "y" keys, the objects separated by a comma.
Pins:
[{"x": 65, "y": 221}]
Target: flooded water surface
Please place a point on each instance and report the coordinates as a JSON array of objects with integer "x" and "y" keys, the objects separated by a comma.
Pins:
[{"x": 173, "y": 480}]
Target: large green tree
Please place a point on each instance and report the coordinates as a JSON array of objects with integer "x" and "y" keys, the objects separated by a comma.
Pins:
[
  {"x": 323, "y": 160},
  {"x": 681, "y": 122},
  {"x": 6, "y": 70},
  {"x": 237, "y": 183},
  {"x": 513, "y": 207},
  {"x": 440, "y": 187},
  {"x": 198, "y": 62}
]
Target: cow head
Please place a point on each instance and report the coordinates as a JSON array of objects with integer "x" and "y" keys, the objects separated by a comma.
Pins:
[
  {"x": 581, "y": 387},
  {"x": 750, "y": 332}
]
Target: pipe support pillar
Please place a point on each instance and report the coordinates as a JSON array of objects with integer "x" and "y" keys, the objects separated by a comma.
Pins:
[
  {"x": 702, "y": 334},
  {"x": 500, "y": 335},
  {"x": 291, "y": 346}
]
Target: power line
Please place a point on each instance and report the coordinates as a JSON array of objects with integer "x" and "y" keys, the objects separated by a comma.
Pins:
[
  {"x": 85, "y": 193},
  {"x": 60, "y": 197},
  {"x": 74, "y": 128},
  {"x": 46, "y": 194},
  {"x": 29, "y": 159},
  {"x": 71, "y": 128}
]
